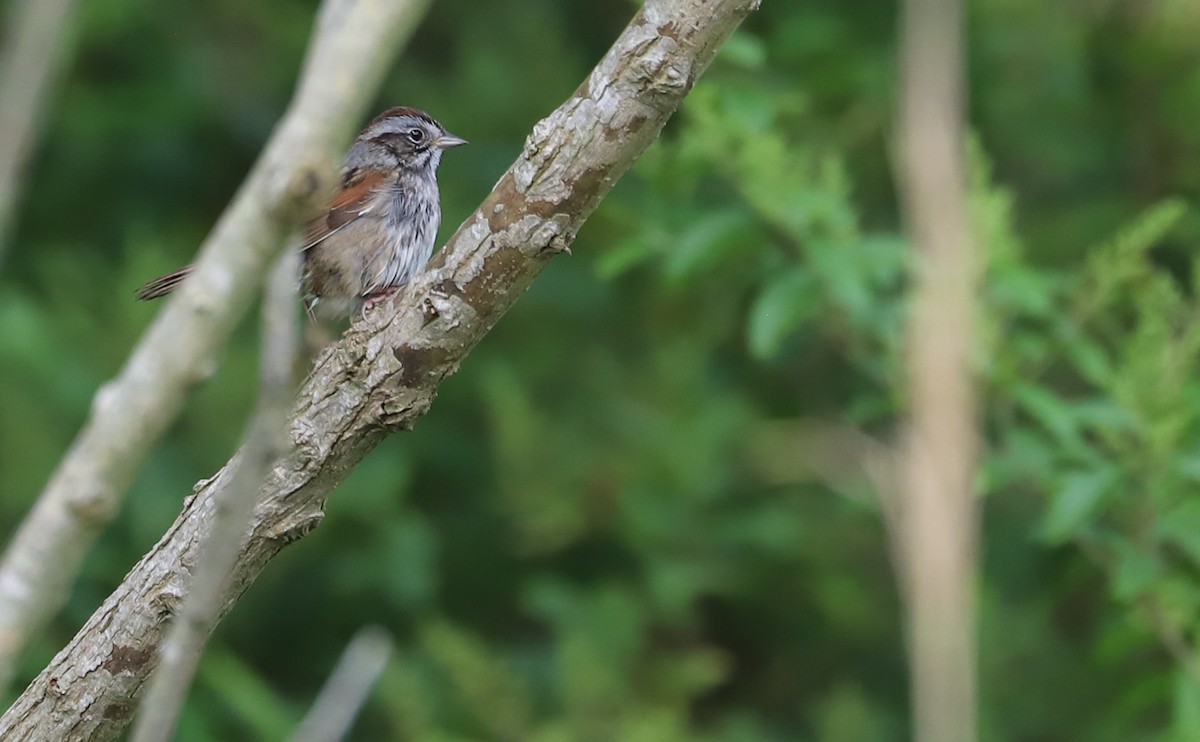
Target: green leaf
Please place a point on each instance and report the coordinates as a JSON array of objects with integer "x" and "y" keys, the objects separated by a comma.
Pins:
[
  {"x": 710, "y": 240},
  {"x": 1121, "y": 261},
  {"x": 1088, "y": 356},
  {"x": 1134, "y": 571},
  {"x": 780, "y": 309},
  {"x": 1051, "y": 411},
  {"x": 1185, "y": 722},
  {"x": 1073, "y": 506},
  {"x": 623, "y": 258},
  {"x": 246, "y": 694},
  {"x": 745, "y": 50},
  {"x": 1180, "y": 525},
  {"x": 1025, "y": 457}
]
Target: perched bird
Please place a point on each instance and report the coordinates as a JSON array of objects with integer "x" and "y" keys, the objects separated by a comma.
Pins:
[{"x": 379, "y": 229}]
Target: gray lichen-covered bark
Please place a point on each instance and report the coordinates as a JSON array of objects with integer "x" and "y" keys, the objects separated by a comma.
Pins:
[{"x": 384, "y": 373}]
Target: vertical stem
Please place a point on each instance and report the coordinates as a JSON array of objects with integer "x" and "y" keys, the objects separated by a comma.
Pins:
[
  {"x": 332, "y": 716},
  {"x": 938, "y": 529},
  {"x": 28, "y": 62}
]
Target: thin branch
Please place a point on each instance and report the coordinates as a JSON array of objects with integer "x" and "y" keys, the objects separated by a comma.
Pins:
[
  {"x": 347, "y": 689},
  {"x": 346, "y": 62},
  {"x": 939, "y": 521},
  {"x": 264, "y": 441},
  {"x": 384, "y": 373},
  {"x": 846, "y": 459},
  {"x": 28, "y": 65}
]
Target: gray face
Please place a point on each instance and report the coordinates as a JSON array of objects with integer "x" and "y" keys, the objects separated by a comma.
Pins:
[{"x": 403, "y": 138}]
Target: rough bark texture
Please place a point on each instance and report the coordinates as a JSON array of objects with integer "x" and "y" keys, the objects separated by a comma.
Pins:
[
  {"x": 384, "y": 373},
  {"x": 353, "y": 45}
]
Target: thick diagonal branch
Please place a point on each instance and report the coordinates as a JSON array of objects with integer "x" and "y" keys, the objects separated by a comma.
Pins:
[
  {"x": 383, "y": 375},
  {"x": 354, "y": 44}
]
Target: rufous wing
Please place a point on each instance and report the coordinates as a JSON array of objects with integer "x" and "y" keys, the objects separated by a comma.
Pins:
[{"x": 356, "y": 199}]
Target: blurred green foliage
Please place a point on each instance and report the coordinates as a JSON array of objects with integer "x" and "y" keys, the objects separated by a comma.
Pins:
[{"x": 637, "y": 513}]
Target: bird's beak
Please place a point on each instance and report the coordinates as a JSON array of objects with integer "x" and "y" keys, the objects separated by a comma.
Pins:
[{"x": 448, "y": 140}]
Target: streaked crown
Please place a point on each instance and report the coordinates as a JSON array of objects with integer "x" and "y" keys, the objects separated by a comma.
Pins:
[{"x": 402, "y": 137}]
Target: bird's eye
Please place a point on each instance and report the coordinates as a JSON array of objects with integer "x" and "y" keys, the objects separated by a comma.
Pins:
[{"x": 416, "y": 136}]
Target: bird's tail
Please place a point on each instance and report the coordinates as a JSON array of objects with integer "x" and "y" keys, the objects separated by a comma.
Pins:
[{"x": 163, "y": 285}]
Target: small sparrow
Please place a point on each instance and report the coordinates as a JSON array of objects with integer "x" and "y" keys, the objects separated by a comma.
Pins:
[{"x": 379, "y": 229}]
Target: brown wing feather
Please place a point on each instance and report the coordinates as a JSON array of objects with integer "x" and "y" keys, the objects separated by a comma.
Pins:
[
  {"x": 354, "y": 200},
  {"x": 163, "y": 285}
]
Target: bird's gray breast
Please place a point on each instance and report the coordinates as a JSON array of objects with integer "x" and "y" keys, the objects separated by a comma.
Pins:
[{"x": 412, "y": 219}]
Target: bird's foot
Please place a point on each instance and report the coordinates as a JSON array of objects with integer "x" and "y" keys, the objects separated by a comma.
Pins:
[{"x": 376, "y": 297}]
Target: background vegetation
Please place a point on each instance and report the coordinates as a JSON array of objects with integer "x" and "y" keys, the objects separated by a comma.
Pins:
[{"x": 638, "y": 511}]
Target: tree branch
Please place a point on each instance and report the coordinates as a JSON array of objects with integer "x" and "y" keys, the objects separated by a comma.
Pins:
[
  {"x": 347, "y": 58},
  {"x": 344, "y": 694},
  {"x": 159, "y": 711},
  {"x": 28, "y": 63},
  {"x": 937, "y": 514},
  {"x": 384, "y": 373}
]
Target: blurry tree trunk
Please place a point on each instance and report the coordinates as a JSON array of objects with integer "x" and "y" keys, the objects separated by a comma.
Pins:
[
  {"x": 353, "y": 45},
  {"x": 384, "y": 373},
  {"x": 937, "y": 512},
  {"x": 29, "y": 61}
]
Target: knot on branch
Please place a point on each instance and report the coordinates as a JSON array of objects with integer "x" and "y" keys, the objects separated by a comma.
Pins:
[
  {"x": 660, "y": 70},
  {"x": 550, "y": 237}
]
